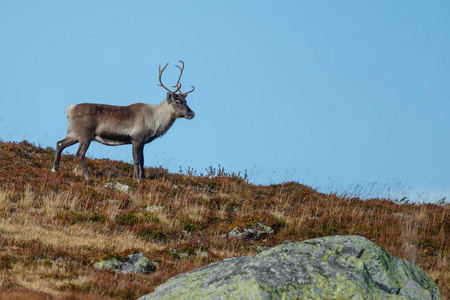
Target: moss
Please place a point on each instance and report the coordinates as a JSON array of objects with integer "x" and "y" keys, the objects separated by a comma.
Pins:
[
  {"x": 128, "y": 219},
  {"x": 151, "y": 234},
  {"x": 6, "y": 262},
  {"x": 98, "y": 218}
]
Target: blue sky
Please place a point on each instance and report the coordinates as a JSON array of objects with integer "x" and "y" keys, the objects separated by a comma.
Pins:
[{"x": 339, "y": 95}]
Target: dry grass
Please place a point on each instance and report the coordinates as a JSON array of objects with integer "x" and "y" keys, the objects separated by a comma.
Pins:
[{"x": 54, "y": 227}]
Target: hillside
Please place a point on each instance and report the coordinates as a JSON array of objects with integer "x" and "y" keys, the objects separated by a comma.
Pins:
[{"x": 55, "y": 226}]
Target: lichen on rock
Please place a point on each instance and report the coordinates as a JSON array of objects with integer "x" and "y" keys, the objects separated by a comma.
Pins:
[
  {"x": 135, "y": 263},
  {"x": 332, "y": 267},
  {"x": 257, "y": 230}
]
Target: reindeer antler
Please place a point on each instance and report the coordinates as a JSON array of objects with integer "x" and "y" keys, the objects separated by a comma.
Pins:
[
  {"x": 179, "y": 77},
  {"x": 161, "y": 84},
  {"x": 181, "y": 72},
  {"x": 178, "y": 85},
  {"x": 193, "y": 88}
]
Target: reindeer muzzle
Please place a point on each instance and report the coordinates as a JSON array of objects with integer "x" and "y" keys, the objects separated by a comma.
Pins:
[{"x": 190, "y": 115}]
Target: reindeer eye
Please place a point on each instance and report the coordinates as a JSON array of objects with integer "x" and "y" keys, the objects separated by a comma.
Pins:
[{"x": 177, "y": 102}]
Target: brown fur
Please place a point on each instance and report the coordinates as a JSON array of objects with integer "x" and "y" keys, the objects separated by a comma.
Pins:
[{"x": 136, "y": 124}]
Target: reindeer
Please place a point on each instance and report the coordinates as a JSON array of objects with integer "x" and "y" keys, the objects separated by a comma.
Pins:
[{"x": 136, "y": 124}]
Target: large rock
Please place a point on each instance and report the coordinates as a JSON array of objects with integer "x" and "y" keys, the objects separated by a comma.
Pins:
[{"x": 336, "y": 267}]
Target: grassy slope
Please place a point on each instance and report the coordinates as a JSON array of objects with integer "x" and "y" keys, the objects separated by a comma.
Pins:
[{"x": 54, "y": 227}]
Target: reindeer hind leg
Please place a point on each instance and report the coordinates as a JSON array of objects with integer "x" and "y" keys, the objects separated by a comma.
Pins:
[{"x": 60, "y": 146}]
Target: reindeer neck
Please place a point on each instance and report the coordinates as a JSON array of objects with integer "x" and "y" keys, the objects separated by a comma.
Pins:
[{"x": 162, "y": 118}]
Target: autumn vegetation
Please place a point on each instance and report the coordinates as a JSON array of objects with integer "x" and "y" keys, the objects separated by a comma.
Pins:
[{"x": 55, "y": 226}]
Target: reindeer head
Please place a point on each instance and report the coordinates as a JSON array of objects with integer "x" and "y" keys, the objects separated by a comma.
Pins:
[{"x": 177, "y": 101}]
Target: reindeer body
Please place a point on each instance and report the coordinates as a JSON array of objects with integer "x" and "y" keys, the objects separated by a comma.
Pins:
[
  {"x": 136, "y": 124},
  {"x": 120, "y": 125}
]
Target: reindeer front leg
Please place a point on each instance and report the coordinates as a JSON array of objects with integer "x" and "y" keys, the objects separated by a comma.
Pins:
[
  {"x": 81, "y": 153},
  {"x": 138, "y": 159}
]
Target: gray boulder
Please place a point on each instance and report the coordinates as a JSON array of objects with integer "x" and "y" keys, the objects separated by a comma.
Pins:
[
  {"x": 335, "y": 267},
  {"x": 135, "y": 263}
]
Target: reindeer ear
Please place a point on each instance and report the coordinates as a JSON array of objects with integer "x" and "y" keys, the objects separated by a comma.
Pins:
[{"x": 169, "y": 97}]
